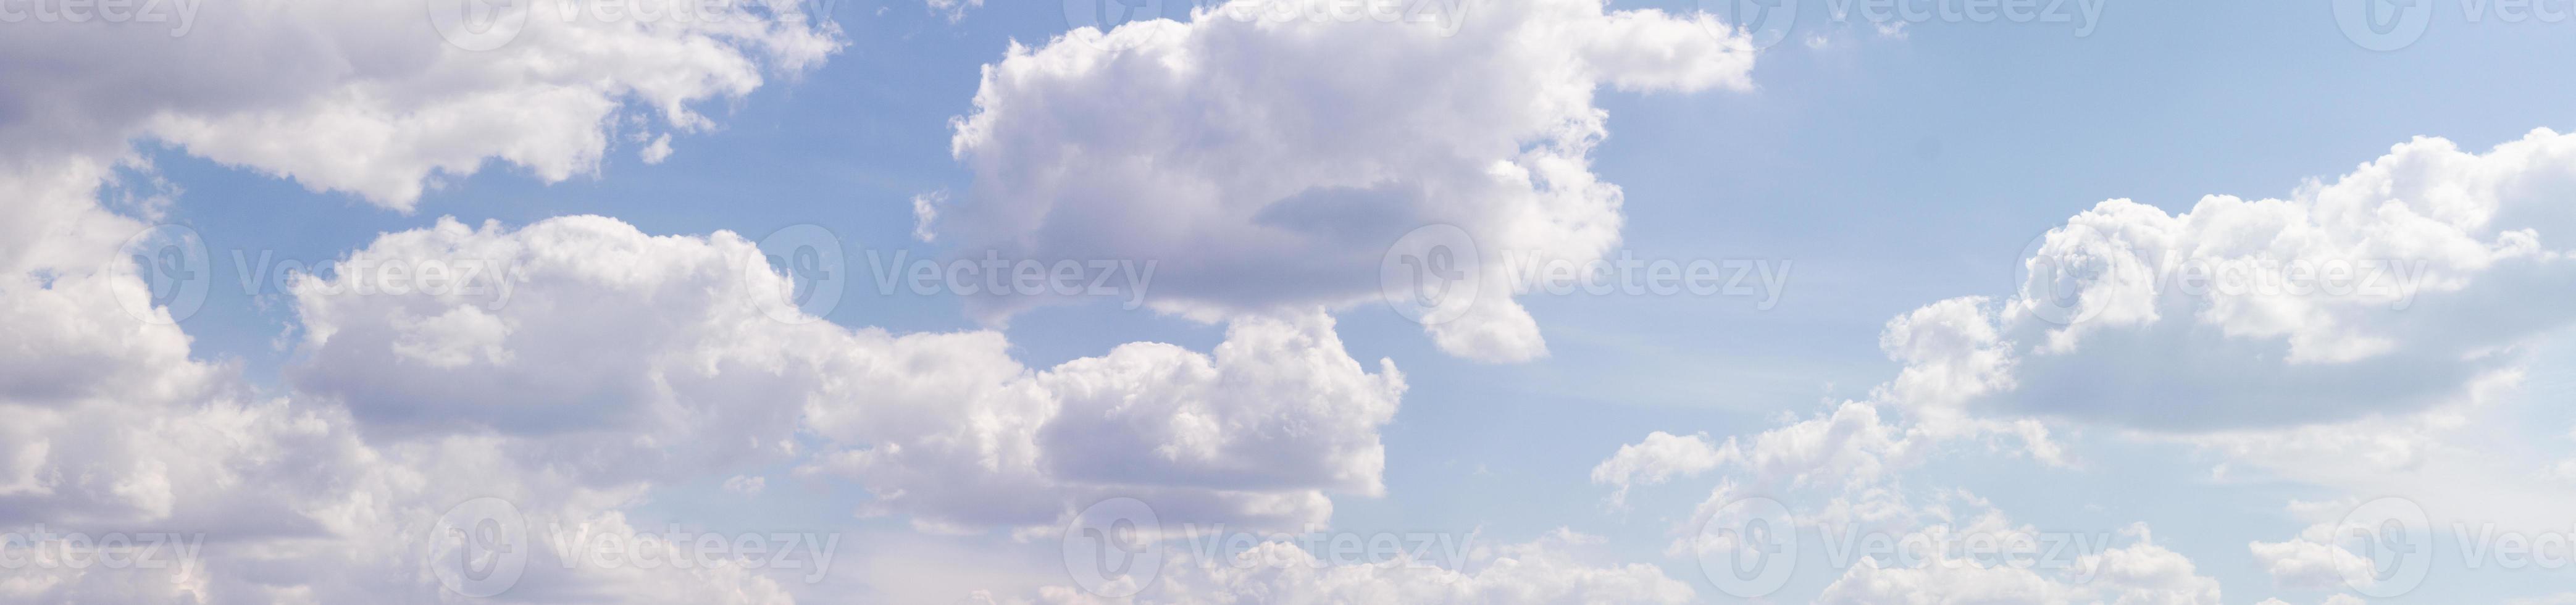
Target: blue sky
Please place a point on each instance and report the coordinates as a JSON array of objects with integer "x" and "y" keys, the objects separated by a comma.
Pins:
[{"x": 1887, "y": 171}]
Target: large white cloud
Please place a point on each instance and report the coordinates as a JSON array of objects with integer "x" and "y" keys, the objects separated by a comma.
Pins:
[
  {"x": 637, "y": 356},
  {"x": 369, "y": 98},
  {"x": 2388, "y": 290},
  {"x": 1267, "y": 159}
]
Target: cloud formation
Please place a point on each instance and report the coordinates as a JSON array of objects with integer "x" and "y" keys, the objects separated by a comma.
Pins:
[{"x": 1268, "y": 162}]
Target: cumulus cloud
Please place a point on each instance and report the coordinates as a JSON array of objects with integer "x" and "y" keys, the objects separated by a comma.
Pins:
[
  {"x": 368, "y": 98},
  {"x": 1268, "y": 161},
  {"x": 638, "y": 356},
  {"x": 2388, "y": 290}
]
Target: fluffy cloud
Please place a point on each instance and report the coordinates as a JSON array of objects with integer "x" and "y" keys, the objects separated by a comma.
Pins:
[
  {"x": 637, "y": 356},
  {"x": 1268, "y": 159},
  {"x": 2388, "y": 290},
  {"x": 369, "y": 98},
  {"x": 1657, "y": 459}
]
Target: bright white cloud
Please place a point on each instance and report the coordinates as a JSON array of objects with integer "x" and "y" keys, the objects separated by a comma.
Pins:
[
  {"x": 368, "y": 98},
  {"x": 943, "y": 426},
  {"x": 1267, "y": 163},
  {"x": 2387, "y": 290}
]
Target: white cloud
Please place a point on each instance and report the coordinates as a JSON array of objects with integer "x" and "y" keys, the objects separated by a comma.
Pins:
[
  {"x": 925, "y": 211},
  {"x": 1659, "y": 458},
  {"x": 367, "y": 98},
  {"x": 954, "y": 10},
  {"x": 2387, "y": 290},
  {"x": 946, "y": 427},
  {"x": 1268, "y": 163},
  {"x": 656, "y": 152}
]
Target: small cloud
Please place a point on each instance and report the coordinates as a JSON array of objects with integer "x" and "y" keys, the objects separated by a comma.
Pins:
[
  {"x": 658, "y": 151},
  {"x": 925, "y": 209},
  {"x": 746, "y": 485}
]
